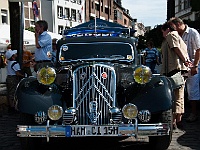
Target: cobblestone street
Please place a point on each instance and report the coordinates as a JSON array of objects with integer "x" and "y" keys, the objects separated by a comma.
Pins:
[{"x": 189, "y": 139}]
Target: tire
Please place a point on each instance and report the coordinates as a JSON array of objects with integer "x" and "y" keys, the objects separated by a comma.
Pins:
[
  {"x": 163, "y": 142},
  {"x": 29, "y": 143}
]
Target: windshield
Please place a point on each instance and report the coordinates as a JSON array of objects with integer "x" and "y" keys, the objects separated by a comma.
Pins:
[{"x": 112, "y": 50}]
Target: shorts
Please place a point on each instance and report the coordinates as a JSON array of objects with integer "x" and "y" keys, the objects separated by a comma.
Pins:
[
  {"x": 179, "y": 102},
  {"x": 193, "y": 86}
]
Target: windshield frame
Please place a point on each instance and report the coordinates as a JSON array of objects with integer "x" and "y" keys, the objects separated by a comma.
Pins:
[{"x": 65, "y": 47}]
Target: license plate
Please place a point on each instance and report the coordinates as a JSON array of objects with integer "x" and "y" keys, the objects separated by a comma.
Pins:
[{"x": 74, "y": 131}]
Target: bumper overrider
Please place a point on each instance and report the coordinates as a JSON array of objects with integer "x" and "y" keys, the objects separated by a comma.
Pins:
[{"x": 128, "y": 130}]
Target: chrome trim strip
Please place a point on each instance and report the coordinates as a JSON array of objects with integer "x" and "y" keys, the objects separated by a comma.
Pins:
[{"x": 129, "y": 130}]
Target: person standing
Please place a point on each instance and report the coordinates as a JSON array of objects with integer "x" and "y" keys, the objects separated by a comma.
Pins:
[
  {"x": 27, "y": 59},
  {"x": 13, "y": 77},
  {"x": 43, "y": 45},
  {"x": 175, "y": 56},
  {"x": 5, "y": 60},
  {"x": 151, "y": 56},
  {"x": 192, "y": 40},
  {"x": 54, "y": 51}
]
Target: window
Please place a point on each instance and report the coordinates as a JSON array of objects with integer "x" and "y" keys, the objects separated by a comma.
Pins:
[
  {"x": 60, "y": 12},
  {"x": 32, "y": 23},
  {"x": 60, "y": 29},
  {"x": 102, "y": 5},
  {"x": 92, "y": 5},
  {"x": 79, "y": 16},
  {"x": 73, "y": 13},
  {"x": 4, "y": 16},
  {"x": 66, "y": 13},
  {"x": 125, "y": 21},
  {"x": 97, "y": 6},
  {"x": 73, "y": 1},
  {"x": 78, "y": 2},
  {"x": 106, "y": 10},
  {"x": 186, "y": 4},
  {"x": 179, "y": 5},
  {"x": 119, "y": 15}
]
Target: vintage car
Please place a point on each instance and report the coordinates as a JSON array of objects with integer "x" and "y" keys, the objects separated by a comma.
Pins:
[{"x": 98, "y": 88}]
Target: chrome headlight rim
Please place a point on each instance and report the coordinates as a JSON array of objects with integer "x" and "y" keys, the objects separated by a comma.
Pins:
[
  {"x": 46, "y": 75},
  {"x": 130, "y": 111},
  {"x": 55, "y": 112}
]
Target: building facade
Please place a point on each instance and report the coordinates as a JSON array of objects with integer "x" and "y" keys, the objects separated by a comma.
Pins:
[
  {"x": 4, "y": 7},
  {"x": 64, "y": 14},
  {"x": 183, "y": 10}
]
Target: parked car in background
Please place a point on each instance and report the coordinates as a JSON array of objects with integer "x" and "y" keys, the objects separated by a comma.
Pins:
[{"x": 98, "y": 89}]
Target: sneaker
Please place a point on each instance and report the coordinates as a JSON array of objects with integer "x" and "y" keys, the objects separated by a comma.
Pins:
[{"x": 192, "y": 118}]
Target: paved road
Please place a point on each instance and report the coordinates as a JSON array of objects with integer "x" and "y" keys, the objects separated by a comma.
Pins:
[{"x": 189, "y": 139}]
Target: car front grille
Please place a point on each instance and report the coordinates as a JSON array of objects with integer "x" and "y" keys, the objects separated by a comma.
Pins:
[{"x": 94, "y": 90}]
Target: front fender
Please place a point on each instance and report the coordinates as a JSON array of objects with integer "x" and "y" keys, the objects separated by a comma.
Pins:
[
  {"x": 31, "y": 96},
  {"x": 156, "y": 96}
]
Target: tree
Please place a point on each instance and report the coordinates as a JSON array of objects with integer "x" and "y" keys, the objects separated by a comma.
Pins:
[{"x": 155, "y": 35}]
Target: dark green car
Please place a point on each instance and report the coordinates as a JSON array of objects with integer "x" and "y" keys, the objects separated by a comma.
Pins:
[{"x": 97, "y": 89}]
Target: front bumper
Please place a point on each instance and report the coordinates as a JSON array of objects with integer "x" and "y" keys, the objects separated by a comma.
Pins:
[{"x": 128, "y": 130}]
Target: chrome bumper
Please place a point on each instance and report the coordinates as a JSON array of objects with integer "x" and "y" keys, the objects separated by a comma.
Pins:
[{"x": 128, "y": 130}]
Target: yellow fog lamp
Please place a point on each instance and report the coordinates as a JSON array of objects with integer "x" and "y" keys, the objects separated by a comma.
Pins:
[
  {"x": 142, "y": 74},
  {"x": 55, "y": 112},
  {"x": 130, "y": 111},
  {"x": 46, "y": 75}
]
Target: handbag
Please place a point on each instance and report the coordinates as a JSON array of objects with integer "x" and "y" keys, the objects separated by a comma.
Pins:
[{"x": 177, "y": 80}]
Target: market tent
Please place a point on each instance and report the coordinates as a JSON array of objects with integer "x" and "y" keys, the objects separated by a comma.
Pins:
[
  {"x": 29, "y": 37},
  {"x": 98, "y": 24}
]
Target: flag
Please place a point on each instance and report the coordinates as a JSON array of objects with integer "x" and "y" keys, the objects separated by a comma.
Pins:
[{"x": 35, "y": 9}]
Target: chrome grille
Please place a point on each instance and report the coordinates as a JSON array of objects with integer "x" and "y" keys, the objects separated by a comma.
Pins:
[{"x": 94, "y": 91}]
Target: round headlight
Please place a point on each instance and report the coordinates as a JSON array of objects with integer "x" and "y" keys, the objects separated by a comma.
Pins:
[
  {"x": 55, "y": 112},
  {"x": 46, "y": 75},
  {"x": 142, "y": 74},
  {"x": 130, "y": 111}
]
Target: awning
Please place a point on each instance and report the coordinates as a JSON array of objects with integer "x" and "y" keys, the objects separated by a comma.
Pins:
[
  {"x": 29, "y": 37},
  {"x": 98, "y": 24}
]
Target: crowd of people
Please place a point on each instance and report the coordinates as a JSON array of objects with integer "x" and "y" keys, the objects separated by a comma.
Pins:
[
  {"x": 182, "y": 45},
  {"x": 180, "y": 53}
]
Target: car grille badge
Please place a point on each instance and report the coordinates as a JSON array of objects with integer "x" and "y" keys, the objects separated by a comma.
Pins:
[{"x": 93, "y": 115}]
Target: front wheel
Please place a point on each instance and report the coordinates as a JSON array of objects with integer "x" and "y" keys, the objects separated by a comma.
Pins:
[
  {"x": 29, "y": 143},
  {"x": 163, "y": 142}
]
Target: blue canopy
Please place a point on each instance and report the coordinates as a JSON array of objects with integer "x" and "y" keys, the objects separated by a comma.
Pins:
[{"x": 102, "y": 26}]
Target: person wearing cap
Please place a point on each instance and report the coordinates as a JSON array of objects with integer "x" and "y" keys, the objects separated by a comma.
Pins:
[
  {"x": 43, "y": 43},
  {"x": 13, "y": 77}
]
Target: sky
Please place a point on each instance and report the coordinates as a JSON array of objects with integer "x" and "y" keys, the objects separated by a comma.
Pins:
[{"x": 148, "y": 12}]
